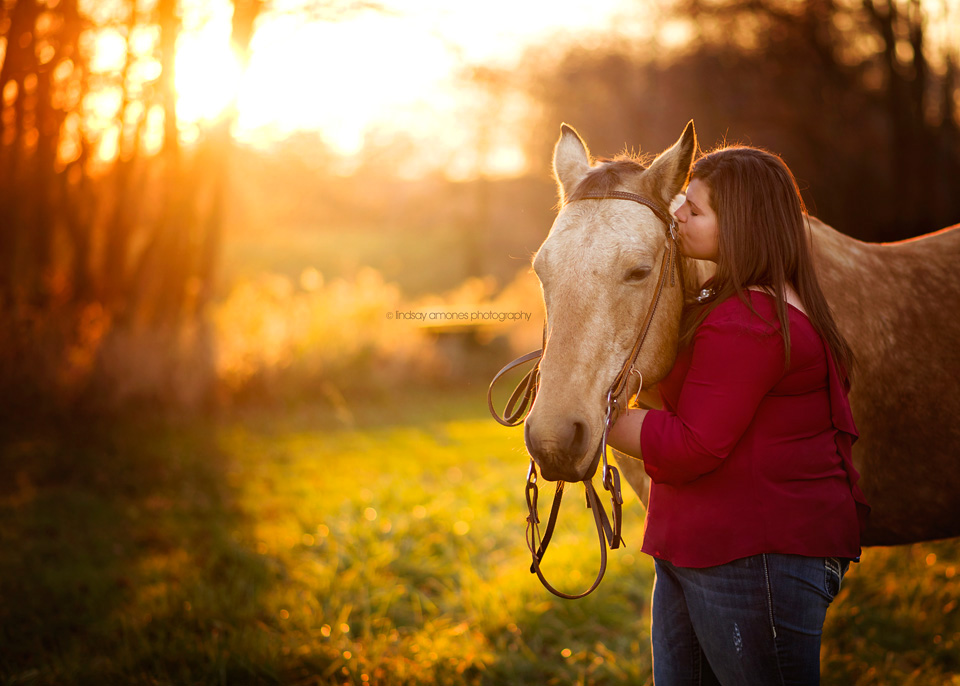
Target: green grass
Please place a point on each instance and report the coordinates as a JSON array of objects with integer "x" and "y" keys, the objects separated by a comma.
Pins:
[{"x": 383, "y": 547}]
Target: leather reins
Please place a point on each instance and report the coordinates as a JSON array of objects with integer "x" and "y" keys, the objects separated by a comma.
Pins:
[{"x": 523, "y": 396}]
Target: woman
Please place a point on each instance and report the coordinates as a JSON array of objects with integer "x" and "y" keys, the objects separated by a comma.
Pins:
[{"x": 754, "y": 512}]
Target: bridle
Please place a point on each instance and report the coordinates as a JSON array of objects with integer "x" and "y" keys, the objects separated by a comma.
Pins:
[{"x": 521, "y": 400}]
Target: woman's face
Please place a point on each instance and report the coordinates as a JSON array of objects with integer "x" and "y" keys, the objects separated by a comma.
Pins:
[{"x": 699, "y": 233}]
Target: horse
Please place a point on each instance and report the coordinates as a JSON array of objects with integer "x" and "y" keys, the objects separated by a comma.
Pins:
[{"x": 895, "y": 303}]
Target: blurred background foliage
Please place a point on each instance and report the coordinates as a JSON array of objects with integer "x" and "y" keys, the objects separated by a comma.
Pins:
[
  {"x": 129, "y": 237},
  {"x": 220, "y": 460}
]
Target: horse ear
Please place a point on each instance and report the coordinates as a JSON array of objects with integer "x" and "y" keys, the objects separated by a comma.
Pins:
[
  {"x": 571, "y": 161},
  {"x": 672, "y": 167}
]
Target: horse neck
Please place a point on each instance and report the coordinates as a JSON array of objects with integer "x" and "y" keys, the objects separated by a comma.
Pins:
[
  {"x": 847, "y": 265},
  {"x": 695, "y": 273}
]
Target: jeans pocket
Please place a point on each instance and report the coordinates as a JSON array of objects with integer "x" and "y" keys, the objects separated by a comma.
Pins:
[{"x": 833, "y": 571}]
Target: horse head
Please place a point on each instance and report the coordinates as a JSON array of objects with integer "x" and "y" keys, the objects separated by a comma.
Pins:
[{"x": 599, "y": 268}]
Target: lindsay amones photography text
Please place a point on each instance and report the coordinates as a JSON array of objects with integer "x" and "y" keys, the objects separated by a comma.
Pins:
[
  {"x": 474, "y": 316},
  {"x": 261, "y": 259}
]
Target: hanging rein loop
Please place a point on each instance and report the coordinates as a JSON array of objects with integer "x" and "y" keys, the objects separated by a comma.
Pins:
[{"x": 523, "y": 396}]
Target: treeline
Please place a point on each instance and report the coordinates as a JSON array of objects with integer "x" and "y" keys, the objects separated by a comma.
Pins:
[
  {"x": 861, "y": 98},
  {"x": 109, "y": 225}
]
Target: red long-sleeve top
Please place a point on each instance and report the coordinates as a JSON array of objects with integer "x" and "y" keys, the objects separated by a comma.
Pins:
[{"x": 748, "y": 456}]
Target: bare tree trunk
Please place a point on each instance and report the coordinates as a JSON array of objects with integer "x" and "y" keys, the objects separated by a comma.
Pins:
[
  {"x": 118, "y": 226},
  {"x": 245, "y": 13},
  {"x": 16, "y": 65},
  {"x": 41, "y": 235},
  {"x": 906, "y": 101},
  {"x": 158, "y": 281}
]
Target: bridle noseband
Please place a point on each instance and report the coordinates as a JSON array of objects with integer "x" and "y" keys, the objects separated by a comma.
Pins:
[{"x": 521, "y": 400}]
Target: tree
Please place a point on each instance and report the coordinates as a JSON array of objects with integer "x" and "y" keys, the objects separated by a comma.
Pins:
[
  {"x": 862, "y": 105},
  {"x": 97, "y": 242}
]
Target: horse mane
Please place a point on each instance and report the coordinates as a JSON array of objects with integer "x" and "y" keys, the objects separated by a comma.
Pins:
[{"x": 607, "y": 176}]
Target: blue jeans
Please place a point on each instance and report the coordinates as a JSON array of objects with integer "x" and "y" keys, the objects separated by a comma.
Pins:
[{"x": 752, "y": 621}]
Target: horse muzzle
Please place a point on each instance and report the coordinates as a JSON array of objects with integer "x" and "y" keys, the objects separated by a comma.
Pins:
[{"x": 564, "y": 450}]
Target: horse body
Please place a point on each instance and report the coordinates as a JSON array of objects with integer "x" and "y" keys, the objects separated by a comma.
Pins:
[{"x": 895, "y": 303}]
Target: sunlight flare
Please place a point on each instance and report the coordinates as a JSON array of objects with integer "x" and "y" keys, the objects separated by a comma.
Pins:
[{"x": 208, "y": 76}]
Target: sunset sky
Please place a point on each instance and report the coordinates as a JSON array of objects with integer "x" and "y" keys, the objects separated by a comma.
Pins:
[{"x": 378, "y": 72}]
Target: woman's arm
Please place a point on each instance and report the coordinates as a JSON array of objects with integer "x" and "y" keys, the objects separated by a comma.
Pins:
[
  {"x": 624, "y": 435},
  {"x": 734, "y": 364}
]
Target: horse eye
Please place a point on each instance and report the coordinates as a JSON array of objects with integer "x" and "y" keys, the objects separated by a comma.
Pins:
[{"x": 638, "y": 274}]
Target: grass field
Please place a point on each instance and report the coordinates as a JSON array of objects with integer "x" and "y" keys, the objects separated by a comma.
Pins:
[{"x": 289, "y": 547}]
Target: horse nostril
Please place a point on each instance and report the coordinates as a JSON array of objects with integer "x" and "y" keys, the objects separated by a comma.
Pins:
[
  {"x": 577, "y": 445},
  {"x": 558, "y": 448}
]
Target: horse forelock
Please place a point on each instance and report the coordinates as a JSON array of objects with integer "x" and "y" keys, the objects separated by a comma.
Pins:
[
  {"x": 607, "y": 176},
  {"x": 581, "y": 241},
  {"x": 623, "y": 173}
]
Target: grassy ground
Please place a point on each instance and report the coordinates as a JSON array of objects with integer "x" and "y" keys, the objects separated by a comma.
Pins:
[{"x": 296, "y": 548}]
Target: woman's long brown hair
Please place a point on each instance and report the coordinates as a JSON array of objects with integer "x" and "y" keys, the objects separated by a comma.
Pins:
[{"x": 764, "y": 241}]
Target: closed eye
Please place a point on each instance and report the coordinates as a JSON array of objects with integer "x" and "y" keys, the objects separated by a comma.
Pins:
[{"x": 638, "y": 274}]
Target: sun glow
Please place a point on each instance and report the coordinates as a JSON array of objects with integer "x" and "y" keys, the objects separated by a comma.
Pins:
[
  {"x": 339, "y": 78},
  {"x": 359, "y": 80},
  {"x": 208, "y": 75}
]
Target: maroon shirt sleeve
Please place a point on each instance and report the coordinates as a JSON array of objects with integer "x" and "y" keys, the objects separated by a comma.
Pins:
[{"x": 736, "y": 359}]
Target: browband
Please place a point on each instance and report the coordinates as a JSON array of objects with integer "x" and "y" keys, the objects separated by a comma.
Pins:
[{"x": 665, "y": 217}]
